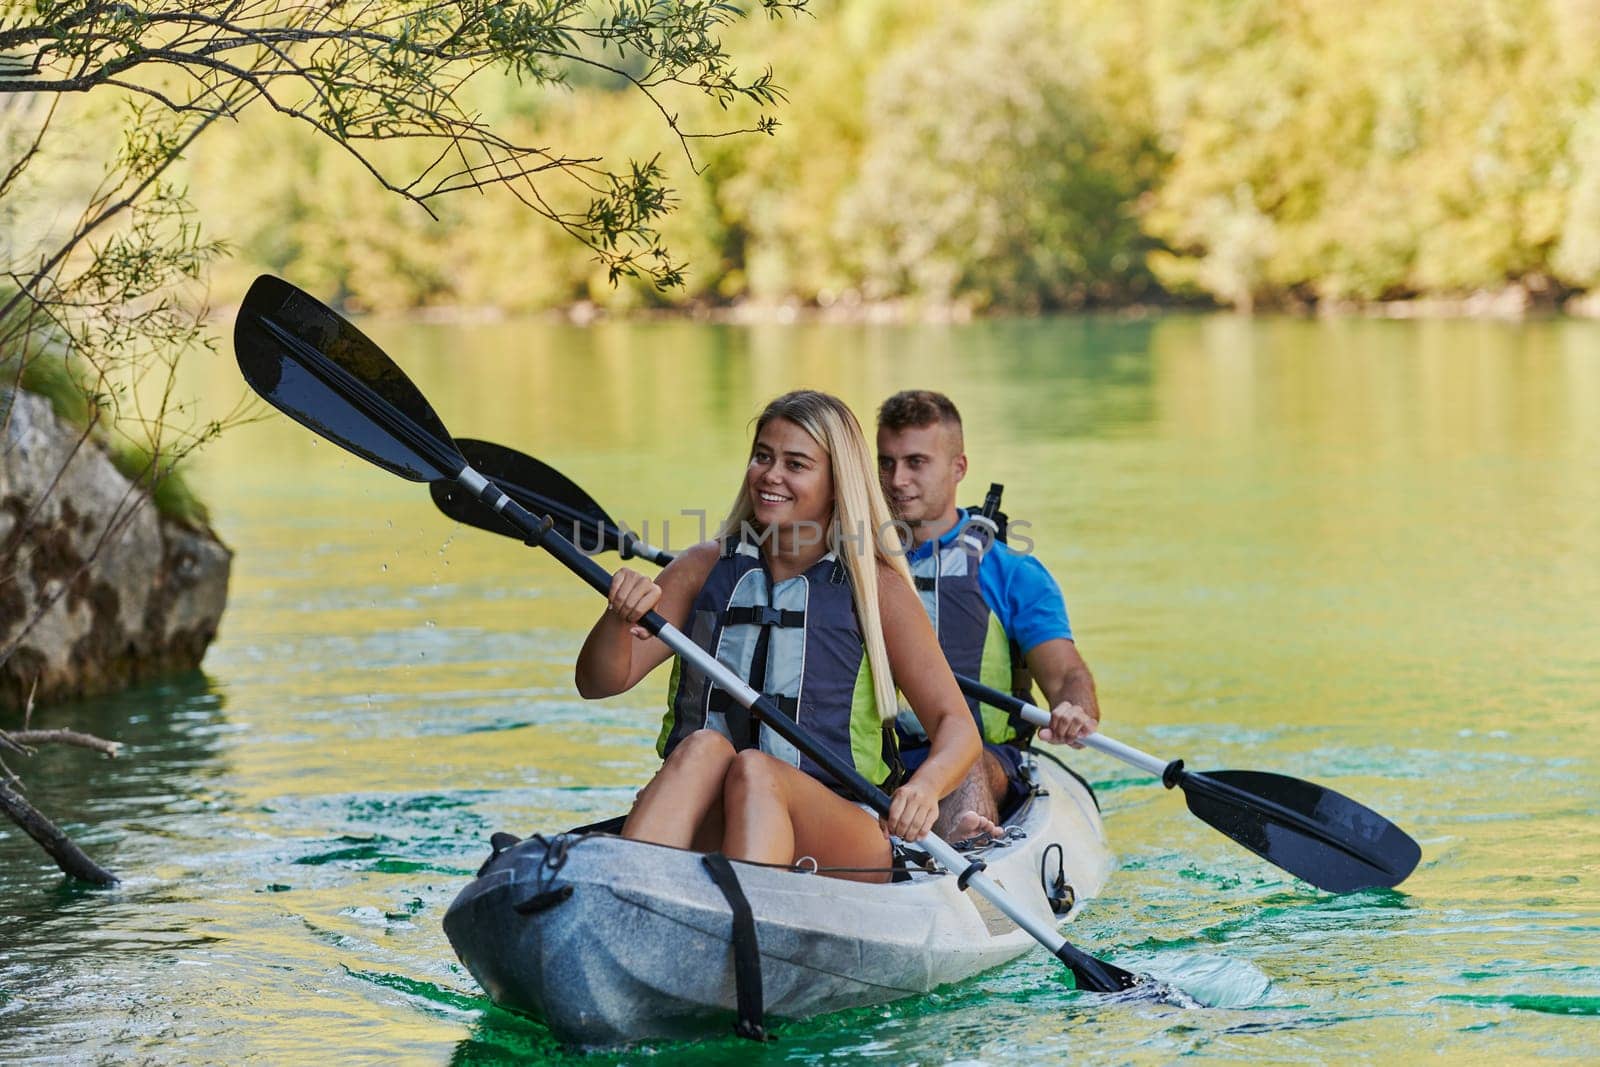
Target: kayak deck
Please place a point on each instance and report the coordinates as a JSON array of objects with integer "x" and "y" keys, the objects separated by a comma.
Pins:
[{"x": 610, "y": 941}]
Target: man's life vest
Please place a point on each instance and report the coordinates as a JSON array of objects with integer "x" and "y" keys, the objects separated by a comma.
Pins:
[
  {"x": 799, "y": 643},
  {"x": 969, "y": 632}
]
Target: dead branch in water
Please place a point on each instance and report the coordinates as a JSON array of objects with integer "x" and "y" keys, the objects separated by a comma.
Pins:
[
  {"x": 68, "y": 856},
  {"x": 72, "y": 860}
]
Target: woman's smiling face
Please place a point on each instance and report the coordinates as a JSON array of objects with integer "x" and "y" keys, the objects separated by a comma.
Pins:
[{"x": 790, "y": 478}]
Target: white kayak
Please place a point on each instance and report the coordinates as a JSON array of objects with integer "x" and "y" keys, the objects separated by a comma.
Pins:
[{"x": 610, "y": 941}]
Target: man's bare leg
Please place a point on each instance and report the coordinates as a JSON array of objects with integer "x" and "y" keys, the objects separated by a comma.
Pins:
[{"x": 973, "y": 807}]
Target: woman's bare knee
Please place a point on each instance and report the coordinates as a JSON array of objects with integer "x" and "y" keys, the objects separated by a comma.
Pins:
[
  {"x": 704, "y": 745},
  {"x": 703, "y": 755},
  {"x": 752, "y": 771},
  {"x": 757, "y": 803},
  {"x": 685, "y": 795}
]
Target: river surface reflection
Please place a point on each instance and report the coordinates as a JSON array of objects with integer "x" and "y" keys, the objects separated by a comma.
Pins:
[{"x": 1354, "y": 551}]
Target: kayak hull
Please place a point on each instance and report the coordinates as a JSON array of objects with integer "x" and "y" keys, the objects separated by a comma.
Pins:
[{"x": 610, "y": 941}]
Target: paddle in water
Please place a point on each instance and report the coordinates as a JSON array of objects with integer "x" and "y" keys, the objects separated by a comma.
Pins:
[
  {"x": 310, "y": 363},
  {"x": 1311, "y": 831},
  {"x": 1316, "y": 834}
]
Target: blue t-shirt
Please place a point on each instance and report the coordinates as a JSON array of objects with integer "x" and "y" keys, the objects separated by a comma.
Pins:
[{"x": 1024, "y": 598}]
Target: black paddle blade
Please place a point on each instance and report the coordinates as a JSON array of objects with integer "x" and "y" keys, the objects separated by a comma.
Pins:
[
  {"x": 1096, "y": 975},
  {"x": 315, "y": 367},
  {"x": 1314, "y": 833},
  {"x": 538, "y": 487}
]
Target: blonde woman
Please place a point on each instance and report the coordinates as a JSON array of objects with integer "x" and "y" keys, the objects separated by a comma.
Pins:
[{"x": 801, "y": 598}]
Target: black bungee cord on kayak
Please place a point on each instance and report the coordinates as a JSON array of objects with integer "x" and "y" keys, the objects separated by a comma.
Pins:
[
  {"x": 748, "y": 1000},
  {"x": 554, "y": 857}
]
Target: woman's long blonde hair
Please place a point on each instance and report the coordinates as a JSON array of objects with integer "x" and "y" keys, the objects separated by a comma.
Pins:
[{"x": 861, "y": 517}]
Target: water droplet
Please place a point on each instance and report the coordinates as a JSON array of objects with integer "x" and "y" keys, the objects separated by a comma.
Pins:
[{"x": 383, "y": 566}]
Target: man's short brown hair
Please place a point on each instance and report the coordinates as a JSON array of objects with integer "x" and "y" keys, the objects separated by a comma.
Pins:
[{"x": 920, "y": 407}]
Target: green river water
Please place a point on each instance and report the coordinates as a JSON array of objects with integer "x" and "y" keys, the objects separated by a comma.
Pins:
[{"x": 1365, "y": 553}]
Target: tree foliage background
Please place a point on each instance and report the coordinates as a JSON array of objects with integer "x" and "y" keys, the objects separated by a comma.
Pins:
[
  {"x": 993, "y": 154},
  {"x": 1026, "y": 154}
]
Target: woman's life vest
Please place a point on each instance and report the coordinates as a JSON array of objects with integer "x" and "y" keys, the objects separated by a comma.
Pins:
[{"x": 798, "y": 642}]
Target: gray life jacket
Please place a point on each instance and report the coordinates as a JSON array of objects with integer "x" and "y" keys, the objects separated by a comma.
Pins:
[
  {"x": 970, "y": 634},
  {"x": 799, "y": 643}
]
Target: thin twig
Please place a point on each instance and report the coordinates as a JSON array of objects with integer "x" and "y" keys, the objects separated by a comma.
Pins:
[{"x": 62, "y": 737}]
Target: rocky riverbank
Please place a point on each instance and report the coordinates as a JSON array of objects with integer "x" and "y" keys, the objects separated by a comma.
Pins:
[{"x": 97, "y": 590}]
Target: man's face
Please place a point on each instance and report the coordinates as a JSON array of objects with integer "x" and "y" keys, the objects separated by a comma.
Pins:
[{"x": 920, "y": 468}]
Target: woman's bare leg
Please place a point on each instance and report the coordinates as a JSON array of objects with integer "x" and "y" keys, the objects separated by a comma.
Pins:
[
  {"x": 774, "y": 813},
  {"x": 682, "y": 805}
]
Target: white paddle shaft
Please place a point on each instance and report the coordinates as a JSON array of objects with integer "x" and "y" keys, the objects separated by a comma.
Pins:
[{"x": 1101, "y": 743}]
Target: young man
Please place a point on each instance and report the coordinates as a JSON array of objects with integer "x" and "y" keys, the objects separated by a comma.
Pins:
[{"x": 998, "y": 613}]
